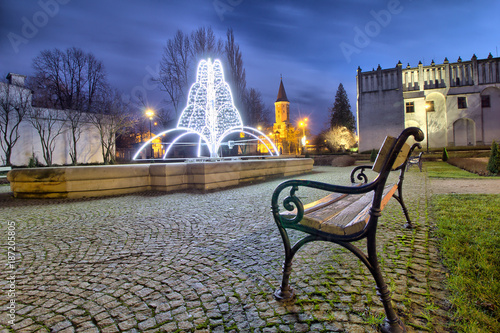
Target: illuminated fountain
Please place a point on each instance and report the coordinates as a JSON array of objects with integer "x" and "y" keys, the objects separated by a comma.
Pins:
[{"x": 210, "y": 113}]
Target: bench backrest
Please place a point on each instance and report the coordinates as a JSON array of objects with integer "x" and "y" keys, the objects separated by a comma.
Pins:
[{"x": 385, "y": 152}]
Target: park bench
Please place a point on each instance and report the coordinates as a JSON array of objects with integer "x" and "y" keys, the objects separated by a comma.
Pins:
[
  {"x": 415, "y": 160},
  {"x": 347, "y": 214},
  {"x": 4, "y": 169}
]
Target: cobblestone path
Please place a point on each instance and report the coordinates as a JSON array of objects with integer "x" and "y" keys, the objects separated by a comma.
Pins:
[{"x": 194, "y": 262}]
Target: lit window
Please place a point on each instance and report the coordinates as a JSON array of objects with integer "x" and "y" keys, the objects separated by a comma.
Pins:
[
  {"x": 485, "y": 101},
  {"x": 462, "y": 102},
  {"x": 429, "y": 106},
  {"x": 410, "y": 107}
]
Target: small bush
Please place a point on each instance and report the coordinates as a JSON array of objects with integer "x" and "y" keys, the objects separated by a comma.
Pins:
[
  {"x": 373, "y": 155},
  {"x": 33, "y": 162},
  {"x": 494, "y": 161},
  {"x": 445, "y": 155},
  {"x": 343, "y": 161}
]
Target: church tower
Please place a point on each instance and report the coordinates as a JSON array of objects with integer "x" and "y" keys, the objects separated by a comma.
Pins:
[
  {"x": 282, "y": 106},
  {"x": 282, "y": 124}
]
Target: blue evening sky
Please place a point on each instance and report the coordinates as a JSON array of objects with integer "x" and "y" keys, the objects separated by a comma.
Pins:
[{"x": 315, "y": 45}]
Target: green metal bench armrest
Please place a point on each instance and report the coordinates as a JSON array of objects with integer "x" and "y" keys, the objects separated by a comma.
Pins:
[{"x": 292, "y": 202}]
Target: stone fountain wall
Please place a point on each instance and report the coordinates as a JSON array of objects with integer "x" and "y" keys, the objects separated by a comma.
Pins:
[{"x": 97, "y": 181}]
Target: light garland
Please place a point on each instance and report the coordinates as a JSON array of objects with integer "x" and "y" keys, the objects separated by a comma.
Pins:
[{"x": 210, "y": 111}]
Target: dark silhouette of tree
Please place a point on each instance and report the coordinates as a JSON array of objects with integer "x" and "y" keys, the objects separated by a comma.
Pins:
[
  {"x": 256, "y": 111},
  {"x": 237, "y": 71},
  {"x": 112, "y": 118},
  {"x": 174, "y": 68},
  {"x": 205, "y": 45},
  {"x": 182, "y": 54},
  {"x": 71, "y": 80},
  {"x": 340, "y": 113},
  {"x": 15, "y": 104}
]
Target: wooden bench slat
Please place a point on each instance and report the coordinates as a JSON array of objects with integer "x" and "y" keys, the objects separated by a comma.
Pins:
[{"x": 346, "y": 216}]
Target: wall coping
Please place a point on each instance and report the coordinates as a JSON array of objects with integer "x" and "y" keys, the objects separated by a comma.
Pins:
[{"x": 104, "y": 180}]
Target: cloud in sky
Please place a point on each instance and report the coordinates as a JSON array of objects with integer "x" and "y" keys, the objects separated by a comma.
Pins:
[{"x": 315, "y": 45}]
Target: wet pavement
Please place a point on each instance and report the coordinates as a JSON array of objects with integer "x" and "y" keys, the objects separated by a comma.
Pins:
[{"x": 208, "y": 262}]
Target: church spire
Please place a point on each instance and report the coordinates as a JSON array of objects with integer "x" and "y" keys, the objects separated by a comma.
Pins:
[{"x": 281, "y": 93}]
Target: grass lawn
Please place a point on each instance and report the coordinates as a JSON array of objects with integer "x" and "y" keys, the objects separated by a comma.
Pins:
[
  {"x": 469, "y": 241},
  {"x": 445, "y": 170}
]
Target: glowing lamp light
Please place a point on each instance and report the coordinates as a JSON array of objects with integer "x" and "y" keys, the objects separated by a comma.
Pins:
[{"x": 150, "y": 113}]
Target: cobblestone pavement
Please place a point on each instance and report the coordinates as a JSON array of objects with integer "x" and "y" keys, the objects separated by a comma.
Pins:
[{"x": 194, "y": 262}]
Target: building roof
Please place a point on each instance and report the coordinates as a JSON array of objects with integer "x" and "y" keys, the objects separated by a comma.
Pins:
[{"x": 281, "y": 93}]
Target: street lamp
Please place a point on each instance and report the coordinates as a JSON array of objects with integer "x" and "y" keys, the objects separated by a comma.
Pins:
[
  {"x": 303, "y": 124},
  {"x": 150, "y": 114},
  {"x": 275, "y": 138},
  {"x": 426, "y": 106}
]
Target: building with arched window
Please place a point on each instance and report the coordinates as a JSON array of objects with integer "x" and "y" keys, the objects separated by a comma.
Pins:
[{"x": 455, "y": 104}]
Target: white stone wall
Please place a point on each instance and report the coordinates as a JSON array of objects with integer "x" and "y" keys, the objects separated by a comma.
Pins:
[
  {"x": 381, "y": 104},
  {"x": 89, "y": 146},
  {"x": 379, "y": 110}
]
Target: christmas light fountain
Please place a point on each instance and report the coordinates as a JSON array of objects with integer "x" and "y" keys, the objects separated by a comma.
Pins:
[{"x": 211, "y": 115}]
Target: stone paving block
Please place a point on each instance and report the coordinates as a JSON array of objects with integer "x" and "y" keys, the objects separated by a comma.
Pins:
[{"x": 125, "y": 262}]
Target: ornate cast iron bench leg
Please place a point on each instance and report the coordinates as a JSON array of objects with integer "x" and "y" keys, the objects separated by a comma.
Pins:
[
  {"x": 392, "y": 324},
  {"x": 399, "y": 198},
  {"x": 285, "y": 292}
]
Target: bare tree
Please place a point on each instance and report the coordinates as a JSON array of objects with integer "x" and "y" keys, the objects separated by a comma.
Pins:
[
  {"x": 180, "y": 55},
  {"x": 70, "y": 80},
  {"x": 205, "y": 45},
  {"x": 257, "y": 114},
  {"x": 340, "y": 138},
  {"x": 112, "y": 119},
  {"x": 238, "y": 76},
  {"x": 74, "y": 121},
  {"x": 49, "y": 124},
  {"x": 174, "y": 68},
  {"x": 15, "y": 103}
]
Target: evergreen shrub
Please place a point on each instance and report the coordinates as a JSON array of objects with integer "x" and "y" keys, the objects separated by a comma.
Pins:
[
  {"x": 494, "y": 161},
  {"x": 445, "y": 155}
]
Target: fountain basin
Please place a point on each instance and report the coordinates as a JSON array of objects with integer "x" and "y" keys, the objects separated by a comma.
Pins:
[{"x": 105, "y": 180}]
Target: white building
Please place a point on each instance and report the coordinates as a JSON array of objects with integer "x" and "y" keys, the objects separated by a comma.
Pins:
[
  {"x": 29, "y": 143},
  {"x": 455, "y": 104}
]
